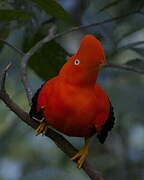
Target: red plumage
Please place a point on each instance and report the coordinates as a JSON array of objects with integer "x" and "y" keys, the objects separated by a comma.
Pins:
[{"x": 72, "y": 102}]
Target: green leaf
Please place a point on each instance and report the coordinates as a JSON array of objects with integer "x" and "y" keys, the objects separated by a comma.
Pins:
[
  {"x": 114, "y": 3},
  {"x": 52, "y": 8},
  {"x": 4, "y": 32},
  {"x": 5, "y": 5},
  {"x": 7, "y": 15},
  {"x": 48, "y": 60}
]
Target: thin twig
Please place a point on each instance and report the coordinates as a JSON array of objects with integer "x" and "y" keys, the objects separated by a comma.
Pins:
[
  {"x": 125, "y": 67},
  {"x": 12, "y": 46},
  {"x": 25, "y": 59},
  {"x": 3, "y": 77},
  {"x": 130, "y": 45},
  {"x": 76, "y": 28}
]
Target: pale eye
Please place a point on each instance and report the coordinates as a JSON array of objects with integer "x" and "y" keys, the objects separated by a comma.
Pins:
[{"x": 77, "y": 62}]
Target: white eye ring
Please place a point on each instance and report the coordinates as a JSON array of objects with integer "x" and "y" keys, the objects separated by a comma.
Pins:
[{"x": 77, "y": 62}]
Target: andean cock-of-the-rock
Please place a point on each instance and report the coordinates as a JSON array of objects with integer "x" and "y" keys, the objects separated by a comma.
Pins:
[{"x": 72, "y": 102}]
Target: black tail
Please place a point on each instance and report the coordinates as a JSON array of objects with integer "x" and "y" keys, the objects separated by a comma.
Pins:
[
  {"x": 33, "y": 111},
  {"x": 107, "y": 127}
]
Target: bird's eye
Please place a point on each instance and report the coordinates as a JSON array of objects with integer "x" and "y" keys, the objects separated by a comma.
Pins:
[{"x": 77, "y": 62}]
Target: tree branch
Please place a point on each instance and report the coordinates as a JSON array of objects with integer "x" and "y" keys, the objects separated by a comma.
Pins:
[
  {"x": 12, "y": 46},
  {"x": 76, "y": 28},
  {"x": 25, "y": 59},
  {"x": 130, "y": 45},
  {"x": 3, "y": 77},
  {"x": 58, "y": 139},
  {"x": 124, "y": 67}
]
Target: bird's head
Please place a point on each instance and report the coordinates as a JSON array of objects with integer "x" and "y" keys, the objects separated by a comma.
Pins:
[{"x": 83, "y": 67}]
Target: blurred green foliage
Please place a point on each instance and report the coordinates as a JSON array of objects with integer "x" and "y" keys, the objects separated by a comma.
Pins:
[
  {"x": 52, "y": 8},
  {"x": 7, "y": 15},
  {"x": 44, "y": 54},
  {"x": 23, "y": 23}
]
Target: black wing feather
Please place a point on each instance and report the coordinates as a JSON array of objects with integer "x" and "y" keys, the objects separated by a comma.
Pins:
[
  {"x": 107, "y": 127},
  {"x": 33, "y": 112}
]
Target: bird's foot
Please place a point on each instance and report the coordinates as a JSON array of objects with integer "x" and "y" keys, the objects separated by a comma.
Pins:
[
  {"x": 81, "y": 156},
  {"x": 42, "y": 128}
]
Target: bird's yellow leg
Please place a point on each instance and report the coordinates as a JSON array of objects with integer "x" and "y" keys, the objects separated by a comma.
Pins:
[
  {"x": 81, "y": 155},
  {"x": 42, "y": 128}
]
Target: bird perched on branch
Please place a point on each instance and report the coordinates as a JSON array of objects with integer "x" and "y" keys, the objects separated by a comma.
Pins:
[{"x": 72, "y": 102}]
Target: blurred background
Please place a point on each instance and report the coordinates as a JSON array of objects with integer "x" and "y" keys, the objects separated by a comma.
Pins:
[{"x": 24, "y": 22}]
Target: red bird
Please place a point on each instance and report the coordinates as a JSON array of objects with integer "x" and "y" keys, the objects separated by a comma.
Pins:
[{"x": 72, "y": 102}]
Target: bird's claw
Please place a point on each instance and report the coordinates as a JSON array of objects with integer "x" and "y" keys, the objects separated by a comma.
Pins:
[
  {"x": 42, "y": 128},
  {"x": 81, "y": 156}
]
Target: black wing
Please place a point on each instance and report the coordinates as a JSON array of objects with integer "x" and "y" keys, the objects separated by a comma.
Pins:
[
  {"x": 33, "y": 112},
  {"x": 107, "y": 127}
]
